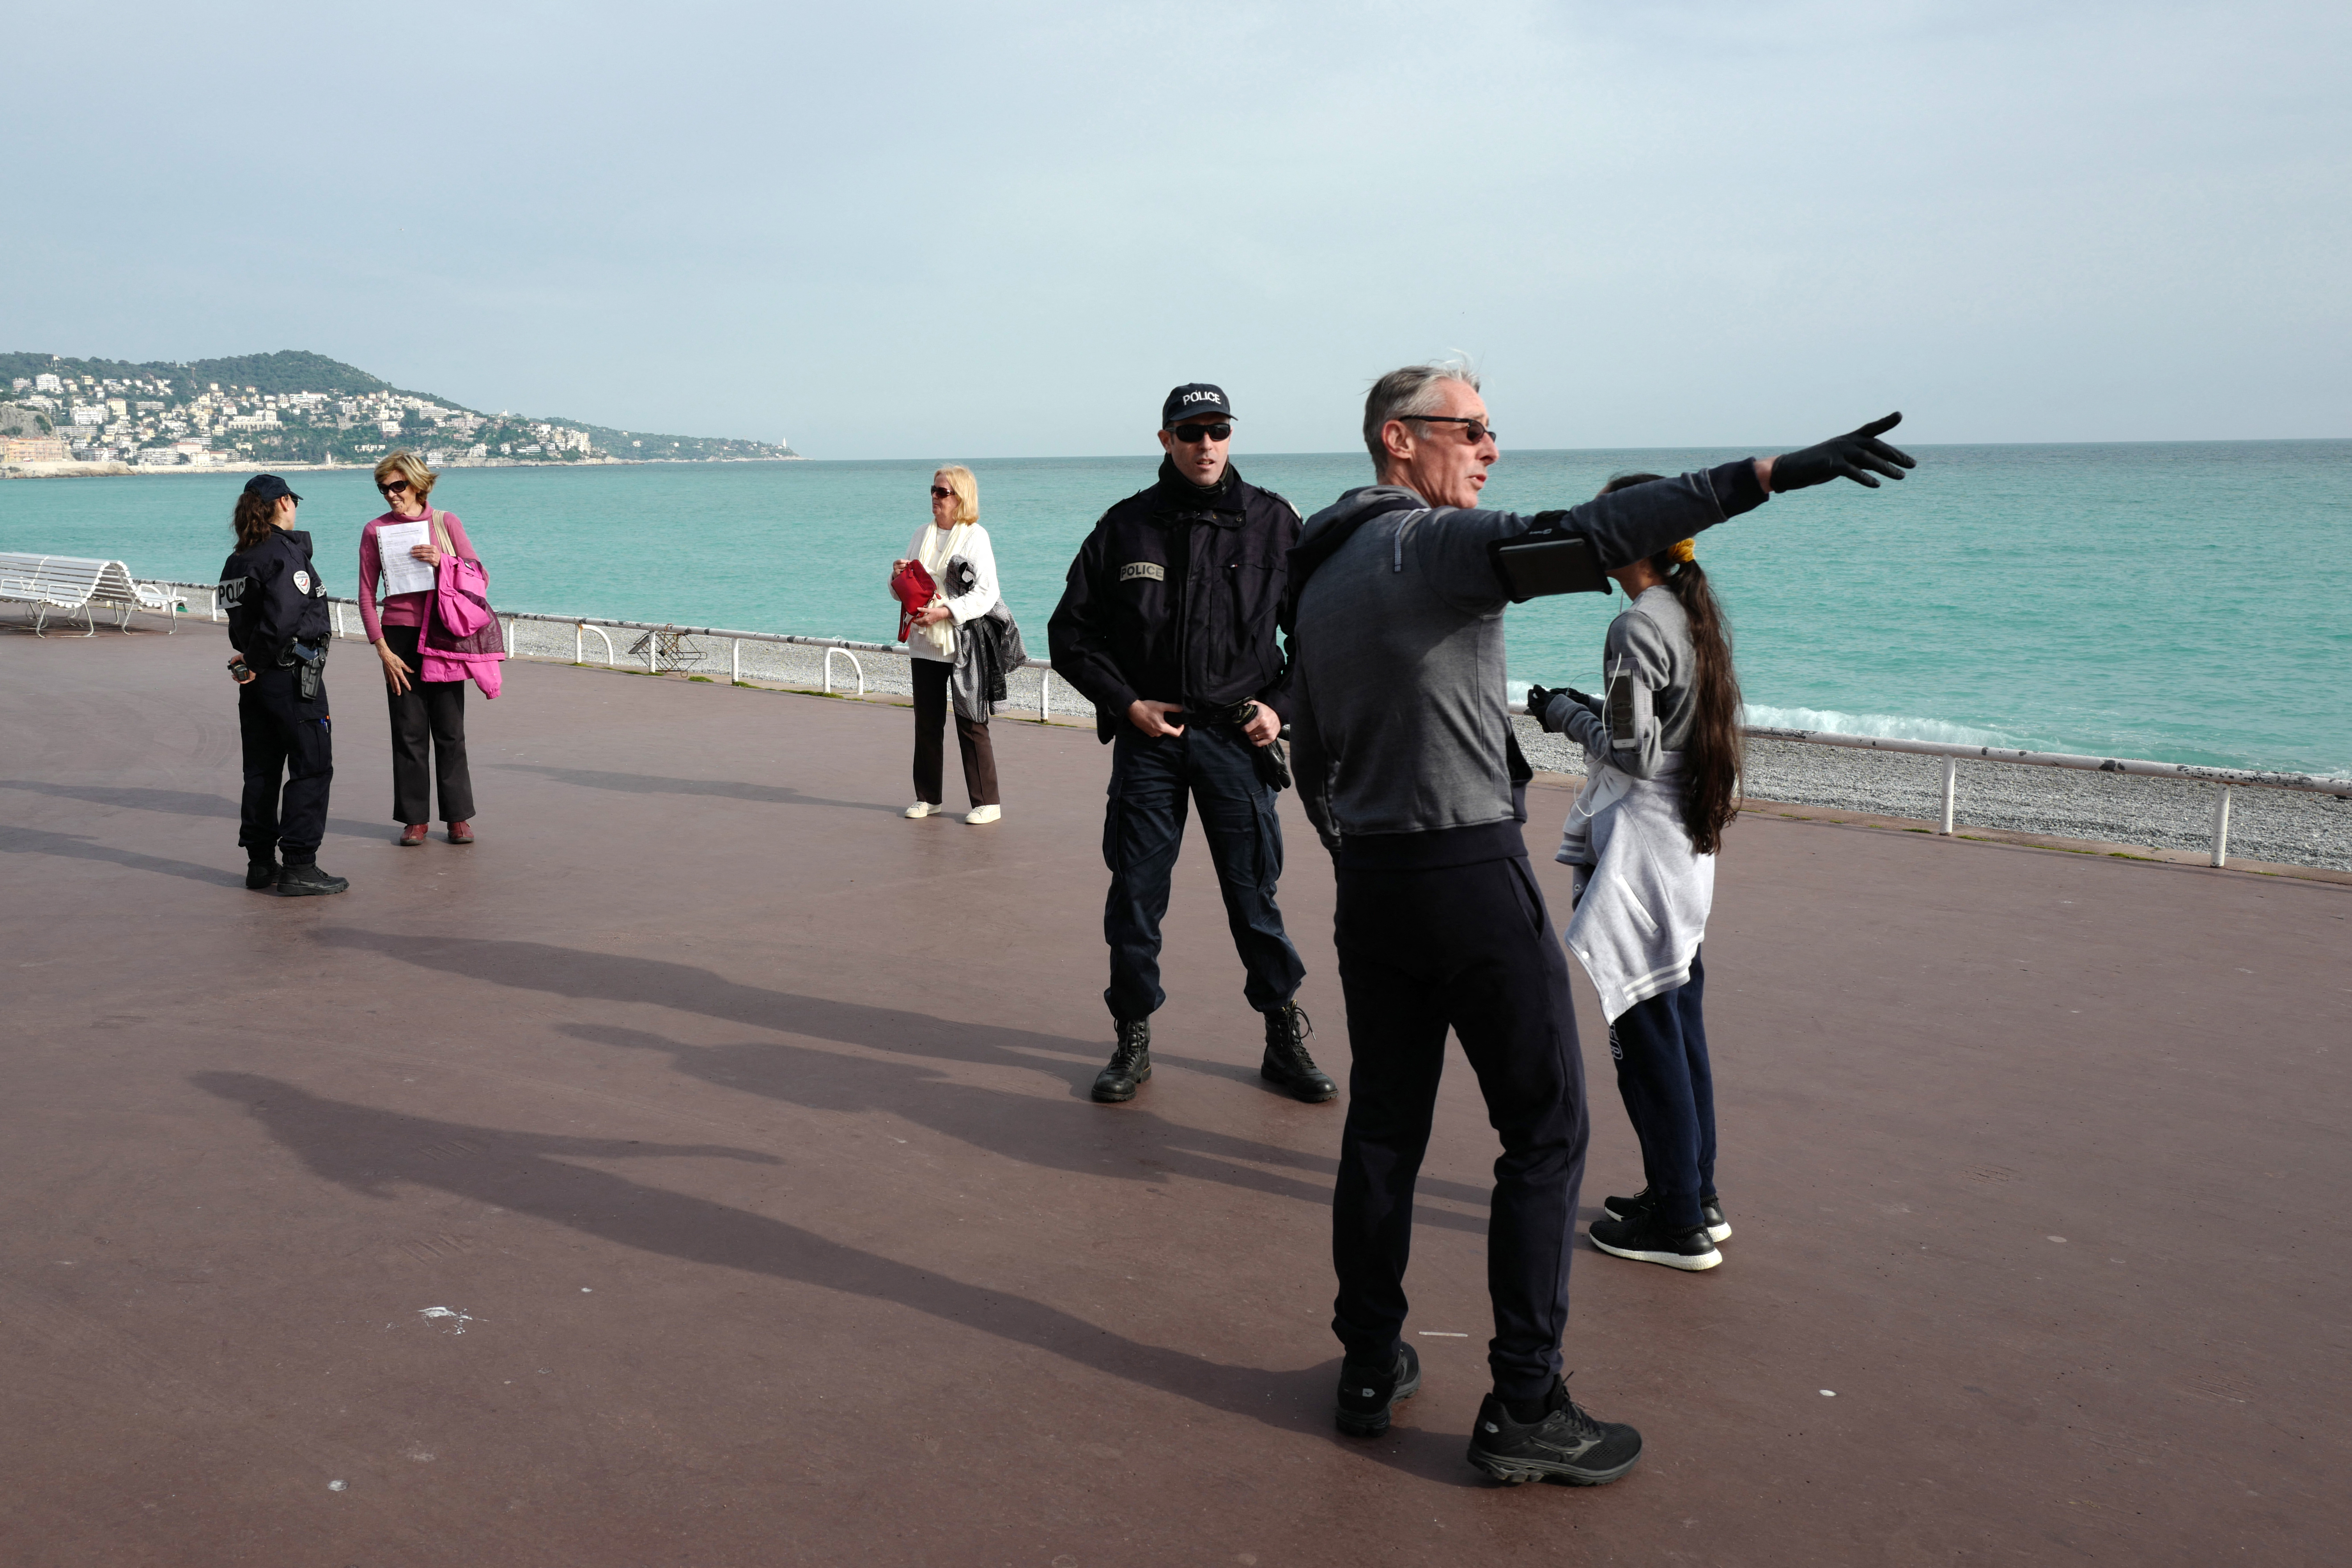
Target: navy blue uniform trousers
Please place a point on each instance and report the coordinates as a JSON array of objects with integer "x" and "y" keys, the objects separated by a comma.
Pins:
[
  {"x": 289, "y": 745},
  {"x": 1659, "y": 1048},
  {"x": 1154, "y": 781},
  {"x": 1470, "y": 948}
]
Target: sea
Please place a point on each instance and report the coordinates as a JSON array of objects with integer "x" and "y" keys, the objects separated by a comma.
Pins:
[{"x": 2183, "y": 601}]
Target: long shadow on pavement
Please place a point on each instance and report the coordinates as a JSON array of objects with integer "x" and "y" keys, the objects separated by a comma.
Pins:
[
  {"x": 79, "y": 847},
  {"x": 1052, "y": 1134},
  {"x": 725, "y": 789},
  {"x": 617, "y": 977},
  {"x": 177, "y": 803},
  {"x": 367, "y": 1150}
]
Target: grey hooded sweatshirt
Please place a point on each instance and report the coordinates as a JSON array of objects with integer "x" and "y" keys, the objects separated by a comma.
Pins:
[{"x": 1401, "y": 729}]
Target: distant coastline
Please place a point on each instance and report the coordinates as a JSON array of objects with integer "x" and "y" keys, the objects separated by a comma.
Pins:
[{"x": 150, "y": 470}]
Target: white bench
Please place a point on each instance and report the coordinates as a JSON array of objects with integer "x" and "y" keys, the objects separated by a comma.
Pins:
[{"x": 49, "y": 584}]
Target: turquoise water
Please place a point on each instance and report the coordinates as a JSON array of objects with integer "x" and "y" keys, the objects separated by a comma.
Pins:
[{"x": 2185, "y": 602}]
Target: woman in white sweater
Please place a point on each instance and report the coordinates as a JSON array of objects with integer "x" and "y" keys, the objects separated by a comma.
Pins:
[{"x": 953, "y": 548}]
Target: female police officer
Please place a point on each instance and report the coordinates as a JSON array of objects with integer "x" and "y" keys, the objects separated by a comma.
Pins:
[{"x": 277, "y": 624}]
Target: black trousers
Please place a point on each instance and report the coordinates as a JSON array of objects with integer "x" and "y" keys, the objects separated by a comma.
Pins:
[
  {"x": 290, "y": 765},
  {"x": 428, "y": 735},
  {"x": 1470, "y": 948},
  {"x": 933, "y": 711},
  {"x": 1154, "y": 782},
  {"x": 1668, "y": 1087}
]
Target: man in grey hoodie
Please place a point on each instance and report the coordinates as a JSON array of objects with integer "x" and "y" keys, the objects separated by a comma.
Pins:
[{"x": 1407, "y": 765}]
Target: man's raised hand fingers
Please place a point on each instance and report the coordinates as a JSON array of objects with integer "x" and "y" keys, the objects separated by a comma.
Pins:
[
  {"x": 1857, "y": 476},
  {"x": 1880, "y": 427},
  {"x": 1879, "y": 462}
]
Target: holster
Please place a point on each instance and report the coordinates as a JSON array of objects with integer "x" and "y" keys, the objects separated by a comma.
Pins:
[{"x": 310, "y": 664}]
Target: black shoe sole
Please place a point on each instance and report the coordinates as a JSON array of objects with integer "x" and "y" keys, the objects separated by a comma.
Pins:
[
  {"x": 1682, "y": 1260},
  {"x": 1374, "y": 1423},
  {"x": 1102, "y": 1098},
  {"x": 1519, "y": 1472},
  {"x": 303, "y": 890},
  {"x": 1313, "y": 1094}
]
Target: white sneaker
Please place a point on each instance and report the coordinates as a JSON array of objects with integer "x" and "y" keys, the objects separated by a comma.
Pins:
[
  {"x": 923, "y": 808},
  {"x": 980, "y": 813}
]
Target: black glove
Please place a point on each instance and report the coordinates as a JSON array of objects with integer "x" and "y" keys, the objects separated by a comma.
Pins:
[
  {"x": 1843, "y": 456},
  {"x": 1590, "y": 703},
  {"x": 1538, "y": 700}
]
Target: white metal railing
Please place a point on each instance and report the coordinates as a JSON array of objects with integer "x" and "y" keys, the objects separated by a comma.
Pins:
[{"x": 2228, "y": 778}]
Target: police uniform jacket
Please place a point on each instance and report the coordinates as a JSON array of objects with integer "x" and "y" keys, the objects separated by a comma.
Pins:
[
  {"x": 1177, "y": 596},
  {"x": 274, "y": 599}
]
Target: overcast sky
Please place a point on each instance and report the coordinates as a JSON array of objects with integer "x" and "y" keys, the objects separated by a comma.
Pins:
[{"x": 934, "y": 230}]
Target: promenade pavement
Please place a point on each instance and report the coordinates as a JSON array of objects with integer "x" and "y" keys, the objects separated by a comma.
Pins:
[{"x": 700, "y": 1170}]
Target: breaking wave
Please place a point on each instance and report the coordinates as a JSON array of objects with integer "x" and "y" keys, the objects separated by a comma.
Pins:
[{"x": 1887, "y": 726}]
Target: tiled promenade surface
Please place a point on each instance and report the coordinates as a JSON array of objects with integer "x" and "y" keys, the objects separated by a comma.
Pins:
[{"x": 700, "y": 1171}]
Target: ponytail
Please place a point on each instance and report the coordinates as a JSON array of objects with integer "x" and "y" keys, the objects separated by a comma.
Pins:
[
  {"x": 1712, "y": 758},
  {"x": 254, "y": 518}
]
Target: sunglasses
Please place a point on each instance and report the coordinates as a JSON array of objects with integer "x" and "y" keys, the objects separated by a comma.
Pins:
[
  {"x": 941, "y": 492},
  {"x": 1188, "y": 433},
  {"x": 394, "y": 487},
  {"x": 1477, "y": 429}
]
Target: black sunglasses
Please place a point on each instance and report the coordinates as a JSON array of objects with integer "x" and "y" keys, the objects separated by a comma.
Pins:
[
  {"x": 395, "y": 485},
  {"x": 941, "y": 492},
  {"x": 1188, "y": 433},
  {"x": 1477, "y": 429}
]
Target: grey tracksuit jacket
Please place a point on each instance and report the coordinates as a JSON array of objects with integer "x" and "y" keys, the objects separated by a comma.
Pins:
[{"x": 1400, "y": 723}]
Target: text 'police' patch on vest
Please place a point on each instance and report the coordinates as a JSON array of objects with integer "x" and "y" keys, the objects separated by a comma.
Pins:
[{"x": 1151, "y": 569}]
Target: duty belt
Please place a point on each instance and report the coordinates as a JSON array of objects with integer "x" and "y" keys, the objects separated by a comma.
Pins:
[{"x": 1232, "y": 713}]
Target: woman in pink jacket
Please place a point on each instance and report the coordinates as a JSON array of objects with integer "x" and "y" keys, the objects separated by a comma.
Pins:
[{"x": 428, "y": 717}]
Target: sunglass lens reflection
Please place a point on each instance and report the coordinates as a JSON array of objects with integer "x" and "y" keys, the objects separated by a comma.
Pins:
[
  {"x": 937, "y": 493},
  {"x": 1188, "y": 433}
]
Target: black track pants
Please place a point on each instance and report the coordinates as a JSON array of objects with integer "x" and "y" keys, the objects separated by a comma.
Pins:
[
  {"x": 1469, "y": 948},
  {"x": 289, "y": 744},
  {"x": 1668, "y": 1087}
]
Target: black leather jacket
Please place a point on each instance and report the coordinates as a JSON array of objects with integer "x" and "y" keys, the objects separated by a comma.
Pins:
[
  {"x": 274, "y": 599},
  {"x": 1177, "y": 596}
]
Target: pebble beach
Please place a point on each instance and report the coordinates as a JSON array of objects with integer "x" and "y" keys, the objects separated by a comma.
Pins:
[{"x": 2282, "y": 826}]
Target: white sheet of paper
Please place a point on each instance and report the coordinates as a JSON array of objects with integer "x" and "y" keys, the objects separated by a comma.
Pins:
[{"x": 403, "y": 572}]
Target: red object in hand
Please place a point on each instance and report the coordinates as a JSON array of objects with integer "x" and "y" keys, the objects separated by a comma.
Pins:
[{"x": 912, "y": 587}]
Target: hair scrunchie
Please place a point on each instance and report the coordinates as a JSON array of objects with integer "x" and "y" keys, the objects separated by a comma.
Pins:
[{"x": 1685, "y": 551}]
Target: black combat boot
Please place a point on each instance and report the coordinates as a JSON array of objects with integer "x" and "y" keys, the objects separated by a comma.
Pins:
[
  {"x": 261, "y": 875},
  {"x": 1286, "y": 1061},
  {"x": 307, "y": 880},
  {"x": 1130, "y": 1063}
]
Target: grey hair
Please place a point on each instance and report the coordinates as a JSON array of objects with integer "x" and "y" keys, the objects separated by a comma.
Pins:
[{"x": 1404, "y": 393}]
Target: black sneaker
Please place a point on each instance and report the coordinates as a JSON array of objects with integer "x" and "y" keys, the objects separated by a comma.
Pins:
[
  {"x": 1645, "y": 1239},
  {"x": 1287, "y": 1062},
  {"x": 307, "y": 881},
  {"x": 1567, "y": 1445},
  {"x": 1130, "y": 1064},
  {"x": 261, "y": 875},
  {"x": 1709, "y": 1205},
  {"x": 1368, "y": 1394}
]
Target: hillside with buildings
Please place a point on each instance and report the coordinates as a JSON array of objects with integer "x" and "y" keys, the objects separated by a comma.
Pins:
[{"x": 289, "y": 410}]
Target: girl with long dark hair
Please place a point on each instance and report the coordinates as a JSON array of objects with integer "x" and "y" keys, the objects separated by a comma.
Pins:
[{"x": 1663, "y": 748}]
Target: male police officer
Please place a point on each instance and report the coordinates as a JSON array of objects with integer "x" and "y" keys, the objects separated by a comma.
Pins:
[
  {"x": 1409, "y": 770},
  {"x": 278, "y": 622},
  {"x": 1168, "y": 624}
]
